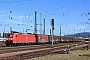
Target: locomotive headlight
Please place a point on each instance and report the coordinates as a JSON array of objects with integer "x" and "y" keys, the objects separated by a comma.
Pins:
[{"x": 10, "y": 38}]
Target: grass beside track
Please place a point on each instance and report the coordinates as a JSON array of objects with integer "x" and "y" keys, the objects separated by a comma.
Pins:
[{"x": 73, "y": 56}]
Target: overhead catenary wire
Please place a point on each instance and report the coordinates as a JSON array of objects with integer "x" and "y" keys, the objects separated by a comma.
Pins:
[
  {"x": 72, "y": 4},
  {"x": 48, "y": 11},
  {"x": 68, "y": 5},
  {"x": 41, "y": 4},
  {"x": 20, "y": 2},
  {"x": 15, "y": 1}
]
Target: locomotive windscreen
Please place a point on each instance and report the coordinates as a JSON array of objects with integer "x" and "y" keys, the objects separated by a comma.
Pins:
[{"x": 9, "y": 35}]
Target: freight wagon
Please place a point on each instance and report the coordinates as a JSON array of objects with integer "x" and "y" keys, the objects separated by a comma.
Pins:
[
  {"x": 41, "y": 38},
  {"x": 56, "y": 39}
]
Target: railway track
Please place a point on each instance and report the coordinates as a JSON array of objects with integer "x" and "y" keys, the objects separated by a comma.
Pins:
[
  {"x": 32, "y": 53},
  {"x": 2, "y": 43},
  {"x": 32, "y": 47}
]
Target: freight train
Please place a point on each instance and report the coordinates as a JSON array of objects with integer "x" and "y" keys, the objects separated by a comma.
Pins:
[{"x": 16, "y": 38}]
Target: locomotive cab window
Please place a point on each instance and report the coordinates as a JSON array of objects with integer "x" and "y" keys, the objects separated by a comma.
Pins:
[{"x": 9, "y": 35}]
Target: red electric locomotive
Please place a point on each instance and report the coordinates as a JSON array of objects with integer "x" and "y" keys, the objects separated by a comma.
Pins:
[{"x": 16, "y": 38}]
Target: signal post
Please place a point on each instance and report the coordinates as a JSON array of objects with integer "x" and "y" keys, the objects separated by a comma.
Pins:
[{"x": 52, "y": 24}]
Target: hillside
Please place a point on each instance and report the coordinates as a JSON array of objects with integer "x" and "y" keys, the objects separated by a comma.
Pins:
[{"x": 82, "y": 34}]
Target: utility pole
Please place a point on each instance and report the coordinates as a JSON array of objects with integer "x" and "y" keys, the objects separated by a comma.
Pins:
[
  {"x": 4, "y": 32},
  {"x": 40, "y": 23},
  {"x": 10, "y": 29},
  {"x": 50, "y": 31},
  {"x": 23, "y": 30},
  {"x": 35, "y": 25},
  {"x": 60, "y": 32},
  {"x": 74, "y": 32},
  {"x": 44, "y": 27}
]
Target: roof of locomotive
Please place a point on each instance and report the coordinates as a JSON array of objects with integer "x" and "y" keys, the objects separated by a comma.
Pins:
[
  {"x": 14, "y": 32},
  {"x": 19, "y": 32}
]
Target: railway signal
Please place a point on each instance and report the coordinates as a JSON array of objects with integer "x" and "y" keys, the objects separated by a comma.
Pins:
[{"x": 52, "y": 24}]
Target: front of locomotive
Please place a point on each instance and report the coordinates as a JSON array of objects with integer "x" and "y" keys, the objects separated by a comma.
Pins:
[{"x": 9, "y": 39}]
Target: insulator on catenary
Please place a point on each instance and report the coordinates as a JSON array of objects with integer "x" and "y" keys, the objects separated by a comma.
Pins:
[
  {"x": 10, "y": 11},
  {"x": 11, "y": 18},
  {"x": 88, "y": 13}
]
